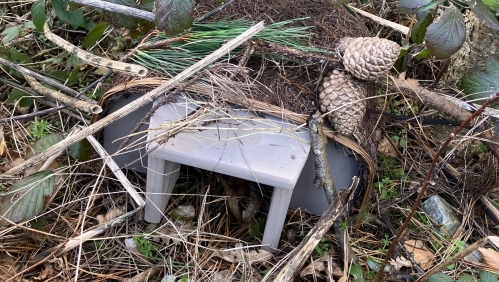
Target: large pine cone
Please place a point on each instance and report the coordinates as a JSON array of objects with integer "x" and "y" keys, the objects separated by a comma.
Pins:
[
  {"x": 345, "y": 97},
  {"x": 368, "y": 58}
]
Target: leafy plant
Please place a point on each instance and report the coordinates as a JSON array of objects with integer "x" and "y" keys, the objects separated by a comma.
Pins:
[
  {"x": 400, "y": 138},
  {"x": 446, "y": 35},
  {"x": 387, "y": 189},
  {"x": 386, "y": 241},
  {"x": 40, "y": 128},
  {"x": 321, "y": 248},
  {"x": 145, "y": 246}
]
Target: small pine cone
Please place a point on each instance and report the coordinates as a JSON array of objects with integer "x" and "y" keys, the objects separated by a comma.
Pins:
[
  {"x": 368, "y": 58},
  {"x": 345, "y": 97}
]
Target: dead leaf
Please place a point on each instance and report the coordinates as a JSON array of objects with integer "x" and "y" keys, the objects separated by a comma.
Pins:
[
  {"x": 251, "y": 208},
  {"x": 239, "y": 254},
  {"x": 177, "y": 232},
  {"x": 8, "y": 267},
  {"x": 234, "y": 190},
  {"x": 183, "y": 214},
  {"x": 47, "y": 272},
  {"x": 490, "y": 257},
  {"x": 320, "y": 265},
  {"x": 343, "y": 278},
  {"x": 111, "y": 214},
  {"x": 422, "y": 255},
  {"x": 386, "y": 148},
  {"x": 400, "y": 262}
]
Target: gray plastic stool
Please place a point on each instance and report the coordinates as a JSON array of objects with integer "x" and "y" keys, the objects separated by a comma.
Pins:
[{"x": 228, "y": 141}]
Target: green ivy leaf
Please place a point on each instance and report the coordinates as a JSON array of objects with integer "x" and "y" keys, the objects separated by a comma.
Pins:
[
  {"x": 28, "y": 196},
  {"x": 486, "y": 276},
  {"x": 38, "y": 14},
  {"x": 81, "y": 150},
  {"x": 18, "y": 95},
  {"x": 439, "y": 277},
  {"x": 94, "y": 35},
  {"x": 44, "y": 143},
  {"x": 483, "y": 12},
  {"x": 418, "y": 31},
  {"x": 174, "y": 16},
  {"x": 10, "y": 33},
  {"x": 445, "y": 37},
  {"x": 417, "y": 6},
  {"x": 73, "y": 18},
  {"x": 480, "y": 84}
]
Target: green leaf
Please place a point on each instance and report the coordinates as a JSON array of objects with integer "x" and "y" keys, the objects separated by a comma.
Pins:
[
  {"x": 373, "y": 265},
  {"x": 445, "y": 37},
  {"x": 417, "y": 6},
  {"x": 29, "y": 25},
  {"x": 357, "y": 273},
  {"x": 439, "y": 277},
  {"x": 492, "y": 4},
  {"x": 18, "y": 95},
  {"x": 73, "y": 61},
  {"x": 94, "y": 35},
  {"x": 465, "y": 278},
  {"x": 20, "y": 58},
  {"x": 483, "y": 12},
  {"x": 28, "y": 196},
  {"x": 174, "y": 16},
  {"x": 480, "y": 84},
  {"x": 81, "y": 150},
  {"x": 73, "y": 18},
  {"x": 44, "y": 143},
  {"x": 10, "y": 33},
  {"x": 418, "y": 31},
  {"x": 38, "y": 14},
  {"x": 424, "y": 54},
  {"x": 15, "y": 57},
  {"x": 486, "y": 276}
]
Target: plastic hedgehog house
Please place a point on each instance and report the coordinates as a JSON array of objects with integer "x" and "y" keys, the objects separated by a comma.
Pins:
[{"x": 227, "y": 124}]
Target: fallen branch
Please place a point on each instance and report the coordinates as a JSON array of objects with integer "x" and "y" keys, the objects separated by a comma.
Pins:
[
  {"x": 116, "y": 8},
  {"x": 395, "y": 26},
  {"x": 42, "y": 78},
  {"x": 88, "y": 107},
  {"x": 144, "y": 100},
  {"x": 324, "y": 180},
  {"x": 301, "y": 253},
  {"x": 318, "y": 143},
  {"x": 131, "y": 69},
  {"x": 54, "y": 107}
]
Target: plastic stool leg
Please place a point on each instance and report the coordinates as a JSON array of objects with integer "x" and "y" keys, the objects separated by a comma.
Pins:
[
  {"x": 161, "y": 178},
  {"x": 279, "y": 204}
]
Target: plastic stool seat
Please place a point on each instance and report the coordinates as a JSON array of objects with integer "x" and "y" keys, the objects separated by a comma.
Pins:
[{"x": 230, "y": 141}]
